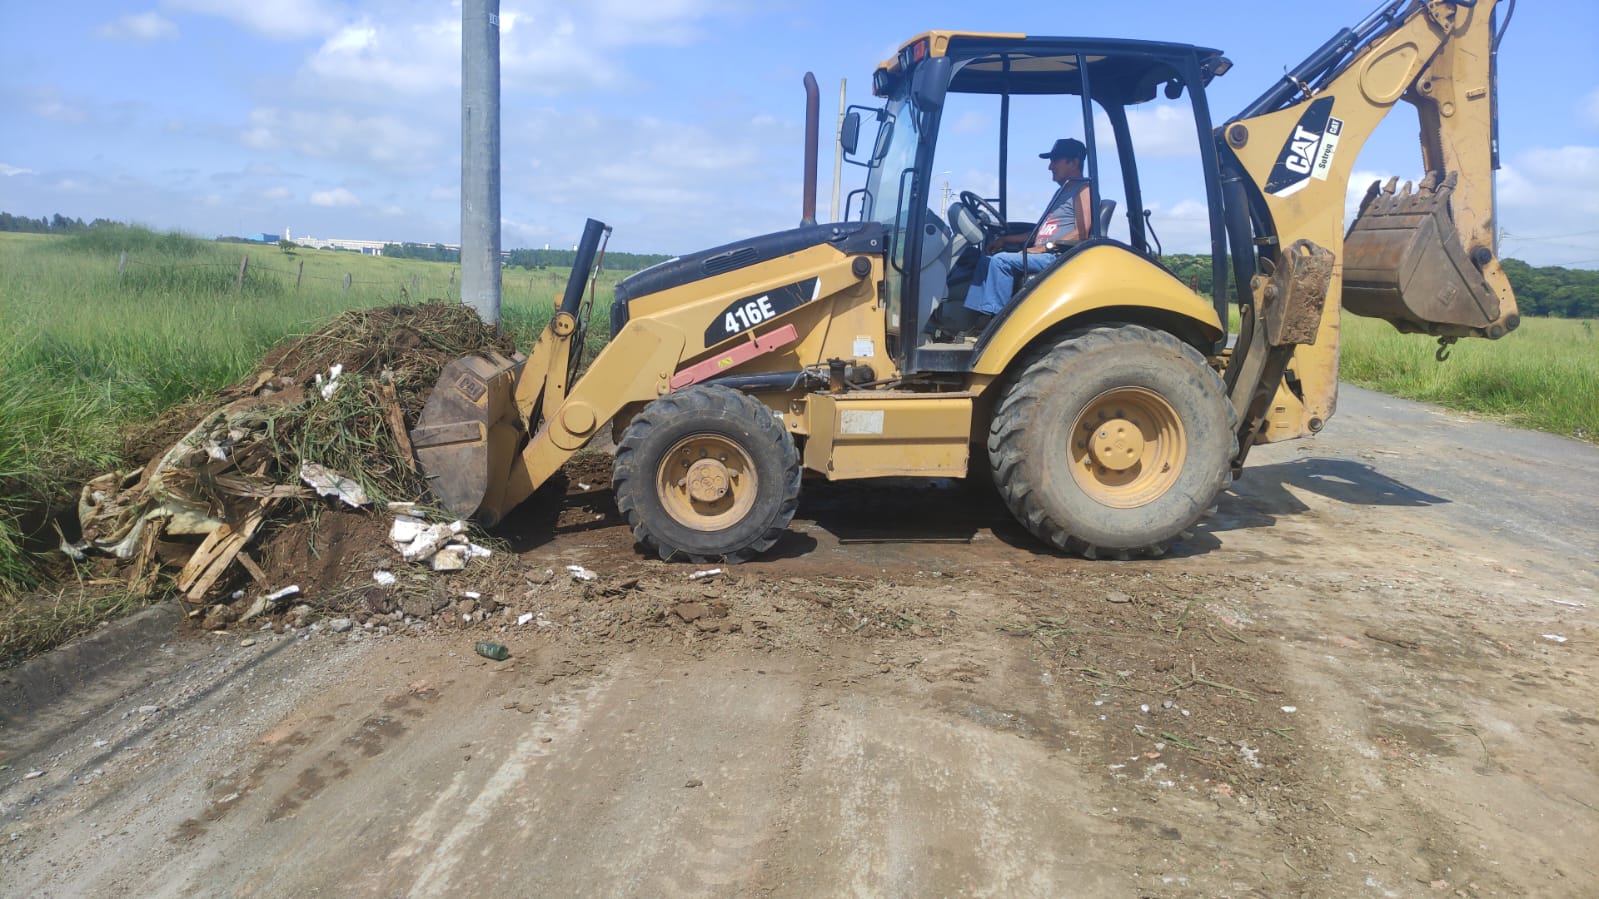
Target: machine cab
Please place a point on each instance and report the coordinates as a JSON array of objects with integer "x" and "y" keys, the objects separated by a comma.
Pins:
[{"x": 955, "y": 163}]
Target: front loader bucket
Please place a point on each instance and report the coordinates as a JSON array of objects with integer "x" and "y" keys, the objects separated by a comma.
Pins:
[
  {"x": 469, "y": 431},
  {"x": 1403, "y": 262}
]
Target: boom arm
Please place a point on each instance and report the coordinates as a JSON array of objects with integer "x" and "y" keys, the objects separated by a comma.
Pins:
[{"x": 1424, "y": 260}]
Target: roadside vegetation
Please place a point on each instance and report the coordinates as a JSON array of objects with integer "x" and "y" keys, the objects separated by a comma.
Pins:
[
  {"x": 89, "y": 354},
  {"x": 107, "y": 326},
  {"x": 1543, "y": 375}
]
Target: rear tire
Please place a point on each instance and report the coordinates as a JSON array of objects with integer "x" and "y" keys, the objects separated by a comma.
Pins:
[
  {"x": 1114, "y": 441},
  {"x": 706, "y": 474}
]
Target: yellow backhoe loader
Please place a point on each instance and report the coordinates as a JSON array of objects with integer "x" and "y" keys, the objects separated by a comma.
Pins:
[{"x": 1107, "y": 399}]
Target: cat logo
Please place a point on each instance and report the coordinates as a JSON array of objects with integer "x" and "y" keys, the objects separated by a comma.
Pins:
[
  {"x": 1301, "y": 147},
  {"x": 1308, "y": 152}
]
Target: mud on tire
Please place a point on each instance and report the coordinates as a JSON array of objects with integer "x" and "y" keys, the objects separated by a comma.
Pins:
[
  {"x": 706, "y": 474},
  {"x": 1113, "y": 442}
]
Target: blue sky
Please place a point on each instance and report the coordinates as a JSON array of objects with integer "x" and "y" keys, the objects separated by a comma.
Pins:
[{"x": 679, "y": 122}]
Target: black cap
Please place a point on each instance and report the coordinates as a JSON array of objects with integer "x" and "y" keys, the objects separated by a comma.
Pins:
[{"x": 1066, "y": 148}]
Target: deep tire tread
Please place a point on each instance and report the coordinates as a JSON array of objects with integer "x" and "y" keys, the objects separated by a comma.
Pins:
[
  {"x": 1036, "y": 376},
  {"x": 633, "y": 474}
]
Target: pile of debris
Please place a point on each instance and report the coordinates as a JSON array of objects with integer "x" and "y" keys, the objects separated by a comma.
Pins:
[{"x": 321, "y": 428}]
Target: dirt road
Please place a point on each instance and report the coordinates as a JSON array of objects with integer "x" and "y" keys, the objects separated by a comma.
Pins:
[{"x": 1373, "y": 673}]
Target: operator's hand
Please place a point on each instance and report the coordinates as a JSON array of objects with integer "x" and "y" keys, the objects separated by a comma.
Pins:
[{"x": 1007, "y": 242}]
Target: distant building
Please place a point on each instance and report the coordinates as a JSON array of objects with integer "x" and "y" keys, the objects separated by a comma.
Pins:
[
  {"x": 262, "y": 237},
  {"x": 365, "y": 247}
]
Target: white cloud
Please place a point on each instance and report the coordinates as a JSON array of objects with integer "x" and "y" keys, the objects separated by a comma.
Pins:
[
  {"x": 276, "y": 194},
  {"x": 619, "y": 23},
  {"x": 336, "y": 198},
  {"x": 666, "y": 186},
  {"x": 403, "y": 58},
  {"x": 1360, "y": 182},
  {"x": 1565, "y": 178},
  {"x": 1548, "y": 200},
  {"x": 49, "y": 103},
  {"x": 546, "y": 47},
  {"x": 9, "y": 170},
  {"x": 1162, "y": 132},
  {"x": 968, "y": 123},
  {"x": 280, "y": 20},
  {"x": 1182, "y": 227},
  {"x": 383, "y": 140},
  {"x": 146, "y": 26}
]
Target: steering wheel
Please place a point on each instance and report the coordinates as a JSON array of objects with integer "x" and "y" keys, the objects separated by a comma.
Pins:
[{"x": 983, "y": 215}]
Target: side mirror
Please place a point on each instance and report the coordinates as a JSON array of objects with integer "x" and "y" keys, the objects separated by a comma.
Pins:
[
  {"x": 885, "y": 135},
  {"x": 931, "y": 81},
  {"x": 849, "y": 133}
]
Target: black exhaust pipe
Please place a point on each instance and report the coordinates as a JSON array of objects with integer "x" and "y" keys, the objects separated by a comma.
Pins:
[{"x": 813, "y": 115}]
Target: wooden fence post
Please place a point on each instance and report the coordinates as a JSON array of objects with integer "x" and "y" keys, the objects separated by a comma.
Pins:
[
  {"x": 298, "y": 274},
  {"x": 122, "y": 265},
  {"x": 413, "y": 285},
  {"x": 346, "y": 282},
  {"x": 452, "y": 278},
  {"x": 243, "y": 264}
]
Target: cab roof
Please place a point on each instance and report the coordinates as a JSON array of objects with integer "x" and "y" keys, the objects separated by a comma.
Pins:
[{"x": 995, "y": 63}]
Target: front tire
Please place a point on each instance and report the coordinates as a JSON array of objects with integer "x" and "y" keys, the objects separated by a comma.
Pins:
[
  {"x": 1114, "y": 441},
  {"x": 706, "y": 474}
]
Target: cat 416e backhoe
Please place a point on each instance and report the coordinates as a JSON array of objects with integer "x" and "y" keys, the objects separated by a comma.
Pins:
[{"x": 1108, "y": 399}]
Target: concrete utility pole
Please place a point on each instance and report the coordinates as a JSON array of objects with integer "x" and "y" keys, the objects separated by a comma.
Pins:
[
  {"x": 480, "y": 158},
  {"x": 838, "y": 148}
]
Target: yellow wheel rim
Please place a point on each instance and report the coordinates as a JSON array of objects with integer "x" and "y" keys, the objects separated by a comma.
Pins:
[
  {"x": 706, "y": 482},
  {"x": 1127, "y": 447}
]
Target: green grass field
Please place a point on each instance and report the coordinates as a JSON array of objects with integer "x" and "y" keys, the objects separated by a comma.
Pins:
[{"x": 1543, "y": 375}]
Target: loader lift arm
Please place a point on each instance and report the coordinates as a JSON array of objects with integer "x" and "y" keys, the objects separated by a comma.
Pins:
[{"x": 473, "y": 432}]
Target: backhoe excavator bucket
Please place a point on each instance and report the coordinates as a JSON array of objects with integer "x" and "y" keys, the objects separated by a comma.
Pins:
[
  {"x": 1403, "y": 262},
  {"x": 469, "y": 430}
]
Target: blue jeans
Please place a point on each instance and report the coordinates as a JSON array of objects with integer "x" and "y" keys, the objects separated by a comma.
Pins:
[{"x": 995, "y": 278}]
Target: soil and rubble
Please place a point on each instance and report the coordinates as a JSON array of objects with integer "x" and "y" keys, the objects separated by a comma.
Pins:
[
  {"x": 275, "y": 480},
  {"x": 1360, "y": 678}
]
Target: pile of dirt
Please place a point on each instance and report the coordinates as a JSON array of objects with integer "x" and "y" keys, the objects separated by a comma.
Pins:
[{"x": 274, "y": 481}]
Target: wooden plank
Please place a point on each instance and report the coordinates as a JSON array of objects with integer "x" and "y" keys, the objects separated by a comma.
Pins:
[
  {"x": 203, "y": 556},
  {"x": 226, "y": 552},
  {"x": 397, "y": 425},
  {"x": 254, "y": 570},
  {"x": 142, "y": 575}
]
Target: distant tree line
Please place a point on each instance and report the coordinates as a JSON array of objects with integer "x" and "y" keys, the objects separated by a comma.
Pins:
[
  {"x": 1554, "y": 291},
  {"x": 55, "y": 224},
  {"x": 1548, "y": 290},
  {"x": 528, "y": 259},
  {"x": 614, "y": 261},
  {"x": 435, "y": 252}
]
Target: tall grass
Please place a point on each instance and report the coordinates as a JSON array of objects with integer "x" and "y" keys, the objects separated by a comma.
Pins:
[{"x": 1543, "y": 375}]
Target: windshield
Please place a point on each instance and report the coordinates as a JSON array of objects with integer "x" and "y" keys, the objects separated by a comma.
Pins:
[{"x": 889, "y": 185}]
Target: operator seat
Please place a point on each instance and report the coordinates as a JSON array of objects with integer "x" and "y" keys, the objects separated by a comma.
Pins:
[
  {"x": 965, "y": 251},
  {"x": 937, "y": 239},
  {"x": 1102, "y": 216}
]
